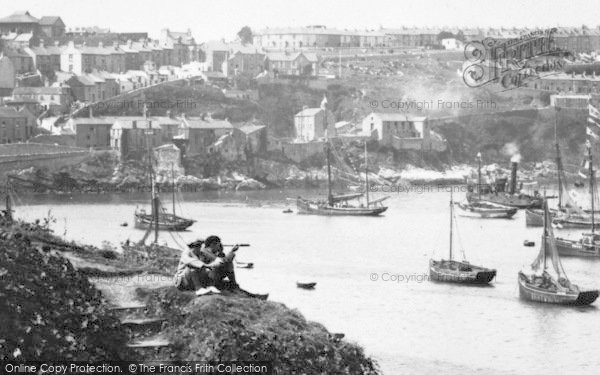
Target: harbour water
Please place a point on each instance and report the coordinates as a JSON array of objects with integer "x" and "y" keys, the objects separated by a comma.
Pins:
[{"x": 372, "y": 276}]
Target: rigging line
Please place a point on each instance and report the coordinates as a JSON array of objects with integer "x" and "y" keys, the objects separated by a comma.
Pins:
[
  {"x": 182, "y": 240},
  {"x": 12, "y": 193},
  {"x": 175, "y": 240},
  {"x": 458, "y": 237}
]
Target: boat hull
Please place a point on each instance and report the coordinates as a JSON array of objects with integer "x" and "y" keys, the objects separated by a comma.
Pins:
[
  {"x": 312, "y": 208},
  {"x": 504, "y": 199},
  {"x": 465, "y": 273},
  {"x": 486, "y": 213},
  {"x": 571, "y": 248},
  {"x": 531, "y": 293},
  {"x": 168, "y": 222},
  {"x": 535, "y": 218}
]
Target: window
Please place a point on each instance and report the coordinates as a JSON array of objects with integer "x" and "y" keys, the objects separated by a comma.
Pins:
[{"x": 70, "y": 57}]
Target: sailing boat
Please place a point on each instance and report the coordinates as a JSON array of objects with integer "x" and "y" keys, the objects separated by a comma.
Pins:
[
  {"x": 497, "y": 194},
  {"x": 482, "y": 209},
  {"x": 158, "y": 217},
  {"x": 589, "y": 243},
  {"x": 568, "y": 215},
  {"x": 338, "y": 205},
  {"x": 456, "y": 271},
  {"x": 541, "y": 286}
]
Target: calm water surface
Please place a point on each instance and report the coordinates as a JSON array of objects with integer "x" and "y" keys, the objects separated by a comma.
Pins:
[{"x": 408, "y": 324}]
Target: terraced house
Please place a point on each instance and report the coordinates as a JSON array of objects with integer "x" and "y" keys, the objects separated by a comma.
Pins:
[
  {"x": 55, "y": 98},
  {"x": 45, "y": 58},
  {"x": 14, "y": 126},
  {"x": 82, "y": 59},
  {"x": 293, "y": 63}
]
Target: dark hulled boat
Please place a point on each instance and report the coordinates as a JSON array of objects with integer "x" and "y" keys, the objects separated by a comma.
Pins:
[
  {"x": 568, "y": 214},
  {"x": 342, "y": 205},
  {"x": 588, "y": 245},
  {"x": 166, "y": 221},
  {"x": 338, "y": 209},
  {"x": 459, "y": 272},
  {"x": 539, "y": 285},
  {"x": 159, "y": 219},
  {"x": 454, "y": 271},
  {"x": 496, "y": 193}
]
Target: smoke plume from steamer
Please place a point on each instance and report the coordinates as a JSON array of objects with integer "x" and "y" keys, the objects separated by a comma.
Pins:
[{"x": 511, "y": 149}]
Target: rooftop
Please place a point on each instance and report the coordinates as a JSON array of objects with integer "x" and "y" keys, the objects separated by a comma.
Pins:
[
  {"x": 198, "y": 123},
  {"x": 19, "y": 17},
  {"x": 50, "y": 20},
  {"x": 10, "y": 112},
  {"x": 39, "y": 90},
  {"x": 308, "y": 112},
  {"x": 385, "y": 116},
  {"x": 251, "y": 128}
]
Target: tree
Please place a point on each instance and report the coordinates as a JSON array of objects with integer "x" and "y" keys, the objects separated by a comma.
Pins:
[
  {"x": 460, "y": 36},
  {"x": 245, "y": 34}
]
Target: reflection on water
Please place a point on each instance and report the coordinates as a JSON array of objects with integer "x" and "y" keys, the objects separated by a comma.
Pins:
[{"x": 403, "y": 320}]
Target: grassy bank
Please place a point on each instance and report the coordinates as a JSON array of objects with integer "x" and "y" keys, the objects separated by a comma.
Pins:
[
  {"x": 227, "y": 328},
  {"x": 50, "y": 310}
]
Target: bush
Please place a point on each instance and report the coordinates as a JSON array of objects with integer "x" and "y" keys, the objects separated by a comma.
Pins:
[
  {"x": 50, "y": 311},
  {"x": 228, "y": 328}
]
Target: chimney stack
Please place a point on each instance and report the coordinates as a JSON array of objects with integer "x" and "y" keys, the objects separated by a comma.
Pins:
[
  {"x": 513, "y": 178},
  {"x": 91, "y": 108}
]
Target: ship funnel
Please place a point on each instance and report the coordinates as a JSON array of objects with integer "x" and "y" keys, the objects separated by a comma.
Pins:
[{"x": 513, "y": 178}]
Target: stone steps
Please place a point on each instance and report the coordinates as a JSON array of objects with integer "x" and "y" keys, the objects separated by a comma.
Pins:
[{"x": 156, "y": 341}]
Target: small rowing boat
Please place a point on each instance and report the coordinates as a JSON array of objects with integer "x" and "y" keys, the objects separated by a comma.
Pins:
[{"x": 306, "y": 285}]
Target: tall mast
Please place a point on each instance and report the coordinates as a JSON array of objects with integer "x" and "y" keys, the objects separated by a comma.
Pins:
[
  {"x": 558, "y": 165},
  {"x": 366, "y": 175},
  {"x": 545, "y": 236},
  {"x": 155, "y": 199},
  {"x": 173, "y": 186},
  {"x": 329, "y": 195},
  {"x": 592, "y": 183},
  {"x": 479, "y": 175},
  {"x": 451, "y": 223}
]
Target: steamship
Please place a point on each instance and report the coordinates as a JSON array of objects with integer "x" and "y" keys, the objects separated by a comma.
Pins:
[{"x": 503, "y": 192}]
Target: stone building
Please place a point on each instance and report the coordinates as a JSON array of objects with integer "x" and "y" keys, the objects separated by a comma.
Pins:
[{"x": 311, "y": 124}]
